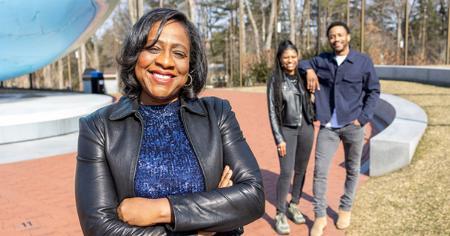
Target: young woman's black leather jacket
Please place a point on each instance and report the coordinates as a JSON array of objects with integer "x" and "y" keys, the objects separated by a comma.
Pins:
[
  {"x": 108, "y": 149},
  {"x": 295, "y": 105}
]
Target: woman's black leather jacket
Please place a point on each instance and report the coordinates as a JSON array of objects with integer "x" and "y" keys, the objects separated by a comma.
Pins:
[
  {"x": 108, "y": 149},
  {"x": 296, "y": 103}
]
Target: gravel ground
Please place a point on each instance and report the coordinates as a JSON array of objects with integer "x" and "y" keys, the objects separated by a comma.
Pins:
[{"x": 416, "y": 199}]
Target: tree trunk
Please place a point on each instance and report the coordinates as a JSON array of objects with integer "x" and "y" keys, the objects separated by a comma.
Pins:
[
  {"x": 232, "y": 48},
  {"x": 60, "y": 73},
  {"x": 308, "y": 24},
  {"x": 255, "y": 31},
  {"x": 69, "y": 71},
  {"x": 271, "y": 26},
  {"x": 447, "y": 58},
  {"x": 95, "y": 58},
  {"x": 319, "y": 26},
  {"x": 192, "y": 11},
  {"x": 292, "y": 19},
  {"x": 242, "y": 48},
  {"x": 363, "y": 25},
  {"x": 399, "y": 35},
  {"x": 423, "y": 33},
  {"x": 263, "y": 27},
  {"x": 405, "y": 62},
  {"x": 135, "y": 9},
  {"x": 348, "y": 13},
  {"x": 81, "y": 65}
]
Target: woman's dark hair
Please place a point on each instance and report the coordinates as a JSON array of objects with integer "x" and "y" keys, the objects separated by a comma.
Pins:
[
  {"x": 338, "y": 23},
  {"x": 137, "y": 39},
  {"x": 278, "y": 74}
]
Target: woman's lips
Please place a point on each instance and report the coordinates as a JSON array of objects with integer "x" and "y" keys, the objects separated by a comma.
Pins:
[{"x": 161, "y": 78}]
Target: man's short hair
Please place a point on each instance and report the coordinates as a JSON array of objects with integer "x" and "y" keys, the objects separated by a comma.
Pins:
[{"x": 338, "y": 23}]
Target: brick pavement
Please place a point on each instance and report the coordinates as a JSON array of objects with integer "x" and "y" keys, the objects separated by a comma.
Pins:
[{"x": 37, "y": 197}]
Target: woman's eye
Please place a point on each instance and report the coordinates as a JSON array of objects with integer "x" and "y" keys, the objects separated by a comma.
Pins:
[
  {"x": 153, "y": 50},
  {"x": 179, "y": 54}
]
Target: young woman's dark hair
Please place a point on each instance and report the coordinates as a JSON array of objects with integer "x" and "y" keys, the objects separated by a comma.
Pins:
[
  {"x": 338, "y": 23},
  {"x": 277, "y": 74},
  {"x": 135, "y": 43}
]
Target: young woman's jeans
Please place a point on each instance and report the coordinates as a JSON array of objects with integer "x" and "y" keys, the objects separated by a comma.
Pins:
[
  {"x": 299, "y": 141},
  {"x": 328, "y": 141}
]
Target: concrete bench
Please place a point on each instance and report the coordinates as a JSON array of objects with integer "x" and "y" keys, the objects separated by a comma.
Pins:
[{"x": 400, "y": 125}]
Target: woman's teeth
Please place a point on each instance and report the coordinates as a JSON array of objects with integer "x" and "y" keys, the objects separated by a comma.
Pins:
[{"x": 160, "y": 76}]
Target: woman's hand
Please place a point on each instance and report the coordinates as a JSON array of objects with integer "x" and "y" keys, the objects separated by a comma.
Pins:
[
  {"x": 144, "y": 211},
  {"x": 281, "y": 148},
  {"x": 225, "y": 180}
]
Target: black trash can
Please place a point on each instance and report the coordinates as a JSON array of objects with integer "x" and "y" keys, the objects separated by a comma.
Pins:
[{"x": 93, "y": 81}]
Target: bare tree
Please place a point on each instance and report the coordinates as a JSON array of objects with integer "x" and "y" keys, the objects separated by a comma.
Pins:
[
  {"x": 60, "y": 73},
  {"x": 271, "y": 26},
  {"x": 192, "y": 10},
  {"x": 255, "y": 31},
  {"x": 447, "y": 58},
  {"x": 363, "y": 26},
  {"x": 242, "y": 48},
  {"x": 81, "y": 65},
  {"x": 405, "y": 62},
  {"x": 292, "y": 19},
  {"x": 319, "y": 28},
  {"x": 348, "y": 13},
  {"x": 136, "y": 9}
]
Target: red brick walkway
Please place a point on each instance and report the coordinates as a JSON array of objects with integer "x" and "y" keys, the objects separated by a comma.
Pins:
[{"x": 37, "y": 197}]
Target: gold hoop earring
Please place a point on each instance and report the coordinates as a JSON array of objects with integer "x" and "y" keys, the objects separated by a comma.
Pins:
[{"x": 189, "y": 77}]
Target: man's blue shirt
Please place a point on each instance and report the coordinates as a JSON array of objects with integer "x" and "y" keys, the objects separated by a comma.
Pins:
[{"x": 352, "y": 88}]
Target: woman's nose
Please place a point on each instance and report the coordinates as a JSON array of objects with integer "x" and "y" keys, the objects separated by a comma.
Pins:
[{"x": 164, "y": 59}]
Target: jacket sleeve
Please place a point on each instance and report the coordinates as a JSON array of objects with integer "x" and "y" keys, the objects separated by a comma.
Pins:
[
  {"x": 372, "y": 94},
  {"x": 274, "y": 121},
  {"x": 224, "y": 209},
  {"x": 308, "y": 64},
  {"x": 95, "y": 192}
]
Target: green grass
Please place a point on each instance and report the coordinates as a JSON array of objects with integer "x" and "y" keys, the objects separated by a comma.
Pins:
[{"x": 416, "y": 199}]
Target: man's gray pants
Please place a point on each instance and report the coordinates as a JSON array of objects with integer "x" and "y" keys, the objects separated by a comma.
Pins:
[{"x": 328, "y": 141}]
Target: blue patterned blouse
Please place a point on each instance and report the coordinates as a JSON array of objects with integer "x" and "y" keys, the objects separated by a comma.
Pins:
[{"x": 167, "y": 164}]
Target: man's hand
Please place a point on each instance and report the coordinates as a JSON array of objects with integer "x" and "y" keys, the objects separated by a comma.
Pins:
[
  {"x": 281, "y": 148},
  {"x": 144, "y": 211},
  {"x": 356, "y": 123},
  {"x": 312, "y": 82}
]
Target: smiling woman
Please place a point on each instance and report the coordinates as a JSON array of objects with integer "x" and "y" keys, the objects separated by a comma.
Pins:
[
  {"x": 162, "y": 161},
  {"x": 162, "y": 67}
]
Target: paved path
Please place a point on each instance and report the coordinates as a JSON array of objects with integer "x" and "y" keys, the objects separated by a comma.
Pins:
[{"x": 37, "y": 196}]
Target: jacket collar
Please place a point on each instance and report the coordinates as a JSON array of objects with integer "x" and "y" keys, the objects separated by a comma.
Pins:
[
  {"x": 127, "y": 106},
  {"x": 351, "y": 57}
]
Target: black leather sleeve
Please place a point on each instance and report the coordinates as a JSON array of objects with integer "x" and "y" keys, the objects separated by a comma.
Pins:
[
  {"x": 95, "y": 192},
  {"x": 224, "y": 209},
  {"x": 274, "y": 121}
]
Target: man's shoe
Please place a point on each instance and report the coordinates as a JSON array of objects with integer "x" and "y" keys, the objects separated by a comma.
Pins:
[
  {"x": 319, "y": 225},
  {"x": 343, "y": 221},
  {"x": 294, "y": 214},
  {"x": 281, "y": 224}
]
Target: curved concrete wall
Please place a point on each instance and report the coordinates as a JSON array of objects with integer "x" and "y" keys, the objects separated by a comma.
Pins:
[
  {"x": 423, "y": 74},
  {"x": 45, "y": 115},
  {"x": 394, "y": 147}
]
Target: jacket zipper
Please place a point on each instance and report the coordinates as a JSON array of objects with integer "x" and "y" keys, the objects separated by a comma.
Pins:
[
  {"x": 193, "y": 147},
  {"x": 138, "y": 152}
]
